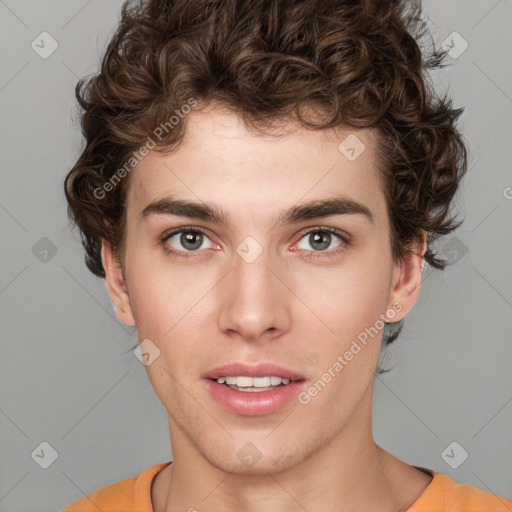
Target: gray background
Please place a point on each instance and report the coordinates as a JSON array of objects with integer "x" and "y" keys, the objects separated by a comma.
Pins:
[{"x": 68, "y": 376}]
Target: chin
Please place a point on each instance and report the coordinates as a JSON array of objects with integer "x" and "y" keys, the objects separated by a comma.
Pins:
[
  {"x": 263, "y": 467},
  {"x": 257, "y": 458}
]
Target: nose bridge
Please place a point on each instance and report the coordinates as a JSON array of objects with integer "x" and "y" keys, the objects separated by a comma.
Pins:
[{"x": 252, "y": 300}]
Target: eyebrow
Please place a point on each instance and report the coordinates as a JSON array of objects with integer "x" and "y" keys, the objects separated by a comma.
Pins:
[{"x": 338, "y": 205}]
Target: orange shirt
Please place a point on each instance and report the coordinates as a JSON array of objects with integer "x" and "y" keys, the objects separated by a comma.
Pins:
[{"x": 442, "y": 495}]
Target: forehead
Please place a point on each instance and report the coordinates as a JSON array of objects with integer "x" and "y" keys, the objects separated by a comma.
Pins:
[{"x": 222, "y": 162}]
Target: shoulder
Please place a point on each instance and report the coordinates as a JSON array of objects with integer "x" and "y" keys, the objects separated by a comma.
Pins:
[
  {"x": 118, "y": 494},
  {"x": 128, "y": 495},
  {"x": 466, "y": 497},
  {"x": 446, "y": 495}
]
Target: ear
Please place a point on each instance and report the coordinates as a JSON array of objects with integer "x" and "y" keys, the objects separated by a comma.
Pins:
[
  {"x": 406, "y": 281},
  {"x": 115, "y": 284}
]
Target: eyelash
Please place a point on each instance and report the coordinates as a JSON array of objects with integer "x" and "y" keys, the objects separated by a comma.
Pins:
[{"x": 314, "y": 254}]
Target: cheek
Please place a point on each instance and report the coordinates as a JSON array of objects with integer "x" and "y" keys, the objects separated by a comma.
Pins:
[
  {"x": 168, "y": 313},
  {"x": 161, "y": 296},
  {"x": 349, "y": 297},
  {"x": 349, "y": 303},
  {"x": 347, "y": 353},
  {"x": 170, "y": 309}
]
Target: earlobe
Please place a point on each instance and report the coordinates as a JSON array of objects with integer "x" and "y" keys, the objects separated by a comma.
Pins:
[
  {"x": 407, "y": 280},
  {"x": 115, "y": 284}
]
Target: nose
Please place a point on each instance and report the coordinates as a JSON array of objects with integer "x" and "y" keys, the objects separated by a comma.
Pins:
[{"x": 254, "y": 302}]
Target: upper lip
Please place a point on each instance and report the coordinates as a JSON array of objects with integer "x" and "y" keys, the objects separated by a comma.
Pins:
[{"x": 258, "y": 370}]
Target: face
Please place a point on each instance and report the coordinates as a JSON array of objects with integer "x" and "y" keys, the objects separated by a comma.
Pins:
[{"x": 262, "y": 282}]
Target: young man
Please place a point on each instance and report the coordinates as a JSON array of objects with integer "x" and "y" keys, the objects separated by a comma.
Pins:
[{"x": 261, "y": 185}]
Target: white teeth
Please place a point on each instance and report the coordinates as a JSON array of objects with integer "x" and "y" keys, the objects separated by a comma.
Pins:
[
  {"x": 261, "y": 382},
  {"x": 254, "y": 382},
  {"x": 244, "y": 382}
]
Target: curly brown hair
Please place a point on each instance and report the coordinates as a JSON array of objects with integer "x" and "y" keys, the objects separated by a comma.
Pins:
[{"x": 358, "y": 62}]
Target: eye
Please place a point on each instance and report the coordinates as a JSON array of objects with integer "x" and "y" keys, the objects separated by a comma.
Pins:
[
  {"x": 323, "y": 240},
  {"x": 185, "y": 240}
]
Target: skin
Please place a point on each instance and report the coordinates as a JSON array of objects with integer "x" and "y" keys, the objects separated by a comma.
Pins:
[{"x": 286, "y": 307}]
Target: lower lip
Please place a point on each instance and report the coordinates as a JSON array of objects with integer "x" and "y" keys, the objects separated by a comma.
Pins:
[{"x": 257, "y": 403}]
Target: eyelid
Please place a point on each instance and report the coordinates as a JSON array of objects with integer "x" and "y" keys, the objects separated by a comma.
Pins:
[
  {"x": 342, "y": 234},
  {"x": 173, "y": 231}
]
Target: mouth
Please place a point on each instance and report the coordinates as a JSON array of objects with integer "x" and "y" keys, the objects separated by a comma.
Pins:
[
  {"x": 241, "y": 370},
  {"x": 248, "y": 384},
  {"x": 253, "y": 390}
]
